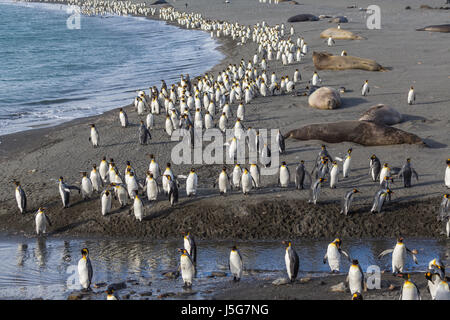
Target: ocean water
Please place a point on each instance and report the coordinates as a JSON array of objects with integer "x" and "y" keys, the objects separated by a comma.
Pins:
[
  {"x": 46, "y": 267},
  {"x": 51, "y": 74}
]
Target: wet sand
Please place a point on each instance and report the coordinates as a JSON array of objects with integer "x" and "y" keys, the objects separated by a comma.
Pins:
[{"x": 36, "y": 157}]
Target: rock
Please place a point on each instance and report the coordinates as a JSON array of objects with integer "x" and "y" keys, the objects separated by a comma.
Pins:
[
  {"x": 407, "y": 8},
  {"x": 132, "y": 292},
  {"x": 322, "y": 282},
  {"x": 305, "y": 280},
  {"x": 339, "y": 19},
  {"x": 149, "y": 283},
  {"x": 218, "y": 274},
  {"x": 146, "y": 294},
  {"x": 117, "y": 286},
  {"x": 126, "y": 297},
  {"x": 280, "y": 282},
  {"x": 340, "y": 287},
  {"x": 75, "y": 296},
  {"x": 165, "y": 295},
  {"x": 171, "y": 274},
  {"x": 100, "y": 285}
]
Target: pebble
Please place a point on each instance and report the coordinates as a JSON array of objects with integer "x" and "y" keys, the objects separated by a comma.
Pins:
[
  {"x": 340, "y": 287},
  {"x": 280, "y": 282}
]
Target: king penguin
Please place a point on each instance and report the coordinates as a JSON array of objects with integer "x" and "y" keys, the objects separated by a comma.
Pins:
[
  {"x": 399, "y": 256},
  {"x": 333, "y": 255},
  {"x": 106, "y": 200},
  {"x": 291, "y": 260},
  {"x": 190, "y": 246},
  {"x": 64, "y": 191},
  {"x": 187, "y": 268},
  {"x": 236, "y": 264},
  {"x": 347, "y": 201},
  {"x": 41, "y": 220},
  {"x": 21, "y": 198},
  {"x": 300, "y": 174},
  {"x": 85, "y": 272},
  {"x": 409, "y": 290},
  {"x": 375, "y": 167},
  {"x": 355, "y": 278},
  {"x": 407, "y": 172}
]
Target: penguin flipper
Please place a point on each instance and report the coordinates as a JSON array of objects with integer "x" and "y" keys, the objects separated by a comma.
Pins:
[
  {"x": 345, "y": 253},
  {"x": 325, "y": 258},
  {"x": 385, "y": 252},
  {"x": 413, "y": 256},
  {"x": 48, "y": 220}
]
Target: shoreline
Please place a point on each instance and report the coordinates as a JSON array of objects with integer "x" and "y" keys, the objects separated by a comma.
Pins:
[{"x": 64, "y": 150}]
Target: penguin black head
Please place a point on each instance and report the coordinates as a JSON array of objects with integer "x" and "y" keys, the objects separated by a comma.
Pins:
[
  {"x": 128, "y": 163},
  {"x": 17, "y": 183},
  {"x": 389, "y": 191},
  {"x": 428, "y": 276},
  {"x": 448, "y": 162},
  {"x": 408, "y": 160},
  {"x": 349, "y": 150},
  {"x": 405, "y": 276},
  {"x": 355, "y": 191},
  {"x": 386, "y": 165},
  {"x": 286, "y": 243},
  {"x": 192, "y": 170},
  {"x": 109, "y": 292},
  {"x": 104, "y": 158},
  {"x": 373, "y": 157},
  {"x": 120, "y": 109},
  {"x": 84, "y": 252},
  {"x": 302, "y": 161},
  {"x": 283, "y": 163},
  {"x": 107, "y": 192},
  {"x": 446, "y": 195},
  {"x": 83, "y": 173},
  {"x": 234, "y": 248},
  {"x": 323, "y": 147},
  {"x": 338, "y": 242},
  {"x": 61, "y": 178},
  {"x": 92, "y": 125},
  {"x": 400, "y": 239},
  {"x": 168, "y": 164},
  {"x": 355, "y": 262},
  {"x": 94, "y": 166}
]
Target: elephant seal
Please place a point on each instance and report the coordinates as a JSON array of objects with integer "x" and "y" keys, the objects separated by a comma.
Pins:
[
  {"x": 325, "y": 98},
  {"x": 327, "y": 61},
  {"x": 382, "y": 114},
  {"x": 339, "y": 34},
  {"x": 303, "y": 17},
  {"x": 361, "y": 132},
  {"x": 436, "y": 28}
]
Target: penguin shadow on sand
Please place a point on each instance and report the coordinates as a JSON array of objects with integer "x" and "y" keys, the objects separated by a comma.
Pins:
[{"x": 69, "y": 226}]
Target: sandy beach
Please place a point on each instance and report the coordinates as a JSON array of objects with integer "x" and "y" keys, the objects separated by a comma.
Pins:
[{"x": 38, "y": 157}]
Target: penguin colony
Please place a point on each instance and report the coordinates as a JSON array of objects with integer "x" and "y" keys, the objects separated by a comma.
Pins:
[{"x": 198, "y": 102}]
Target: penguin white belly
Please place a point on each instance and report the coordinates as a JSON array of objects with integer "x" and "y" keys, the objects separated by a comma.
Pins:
[
  {"x": 150, "y": 120},
  {"x": 122, "y": 195},
  {"x": 334, "y": 176},
  {"x": 123, "y": 122},
  {"x": 384, "y": 173},
  {"x": 433, "y": 285},
  {"x": 347, "y": 167},
  {"x": 288, "y": 264},
  {"x": 442, "y": 291},
  {"x": 40, "y": 223},
  {"x": 191, "y": 184},
  {"x": 334, "y": 257},
  {"x": 62, "y": 194},
  {"x": 447, "y": 177},
  {"x": 152, "y": 190},
  {"x": 246, "y": 183},
  {"x": 187, "y": 245},
  {"x": 86, "y": 187},
  {"x": 355, "y": 280},
  {"x": 240, "y": 112},
  {"x": 94, "y": 137},
  {"x": 106, "y": 204},
  {"x": 447, "y": 228},
  {"x": 409, "y": 292},
  {"x": 103, "y": 169},
  {"x": 236, "y": 178},
  {"x": 19, "y": 200},
  {"x": 255, "y": 175},
  {"x": 223, "y": 183},
  {"x": 83, "y": 273},
  {"x": 132, "y": 187},
  {"x": 235, "y": 264},
  {"x": 398, "y": 258},
  {"x": 138, "y": 209},
  {"x": 284, "y": 177},
  {"x": 187, "y": 269}
]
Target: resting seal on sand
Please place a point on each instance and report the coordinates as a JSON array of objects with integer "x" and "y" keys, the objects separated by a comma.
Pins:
[
  {"x": 325, "y": 98},
  {"x": 327, "y": 61},
  {"x": 361, "y": 132},
  {"x": 339, "y": 19},
  {"x": 303, "y": 17},
  {"x": 382, "y": 114},
  {"x": 436, "y": 28},
  {"x": 339, "y": 34}
]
